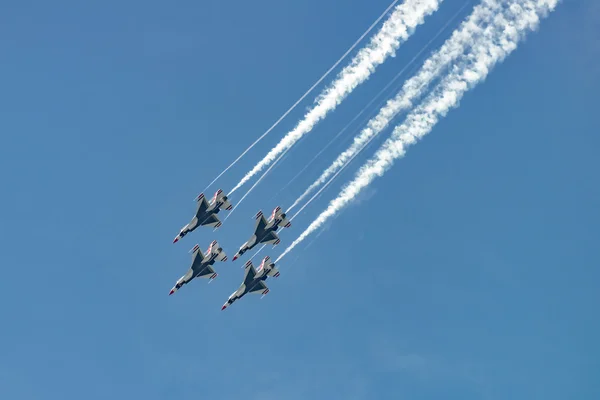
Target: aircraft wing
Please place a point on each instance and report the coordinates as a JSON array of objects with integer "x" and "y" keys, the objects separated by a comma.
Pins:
[
  {"x": 207, "y": 272},
  {"x": 260, "y": 224},
  {"x": 259, "y": 288},
  {"x": 211, "y": 220},
  {"x": 197, "y": 255},
  {"x": 249, "y": 274},
  {"x": 270, "y": 238},
  {"x": 202, "y": 207}
]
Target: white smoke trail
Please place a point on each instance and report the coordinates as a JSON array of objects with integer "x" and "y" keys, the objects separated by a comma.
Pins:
[
  {"x": 398, "y": 75},
  {"x": 484, "y": 56},
  {"x": 334, "y": 66},
  {"x": 453, "y": 48},
  {"x": 255, "y": 184},
  {"x": 324, "y": 186},
  {"x": 396, "y": 30}
]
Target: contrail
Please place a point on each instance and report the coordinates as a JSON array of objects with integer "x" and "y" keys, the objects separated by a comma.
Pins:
[
  {"x": 255, "y": 184},
  {"x": 498, "y": 44},
  {"x": 413, "y": 88},
  {"x": 381, "y": 92},
  {"x": 396, "y": 30},
  {"x": 285, "y": 114},
  {"x": 324, "y": 186},
  {"x": 398, "y": 75}
]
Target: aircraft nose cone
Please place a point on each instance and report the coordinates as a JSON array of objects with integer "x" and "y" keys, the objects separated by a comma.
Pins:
[
  {"x": 224, "y": 307},
  {"x": 176, "y": 239},
  {"x": 234, "y": 258},
  {"x": 171, "y": 292}
]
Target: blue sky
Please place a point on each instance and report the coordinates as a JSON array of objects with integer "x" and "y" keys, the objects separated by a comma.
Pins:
[{"x": 475, "y": 276}]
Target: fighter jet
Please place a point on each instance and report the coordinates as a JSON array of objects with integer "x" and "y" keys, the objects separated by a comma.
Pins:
[
  {"x": 254, "y": 280},
  {"x": 206, "y": 214},
  {"x": 201, "y": 265},
  {"x": 264, "y": 232}
]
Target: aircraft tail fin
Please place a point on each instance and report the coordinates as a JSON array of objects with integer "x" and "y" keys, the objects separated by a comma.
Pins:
[
  {"x": 264, "y": 263},
  {"x": 221, "y": 198},
  {"x": 269, "y": 267},
  {"x": 216, "y": 251},
  {"x": 280, "y": 217}
]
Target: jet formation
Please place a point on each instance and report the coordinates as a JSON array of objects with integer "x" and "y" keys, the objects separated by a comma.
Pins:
[
  {"x": 206, "y": 214},
  {"x": 254, "y": 280},
  {"x": 265, "y": 231}
]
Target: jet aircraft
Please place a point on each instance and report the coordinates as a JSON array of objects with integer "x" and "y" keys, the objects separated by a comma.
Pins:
[
  {"x": 254, "y": 280},
  {"x": 206, "y": 214},
  {"x": 201, "y": 265},
  {"x": 264, "y": 231}
]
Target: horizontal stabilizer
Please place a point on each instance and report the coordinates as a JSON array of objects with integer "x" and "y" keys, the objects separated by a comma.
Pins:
[{"x": 273, "y": 271}]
